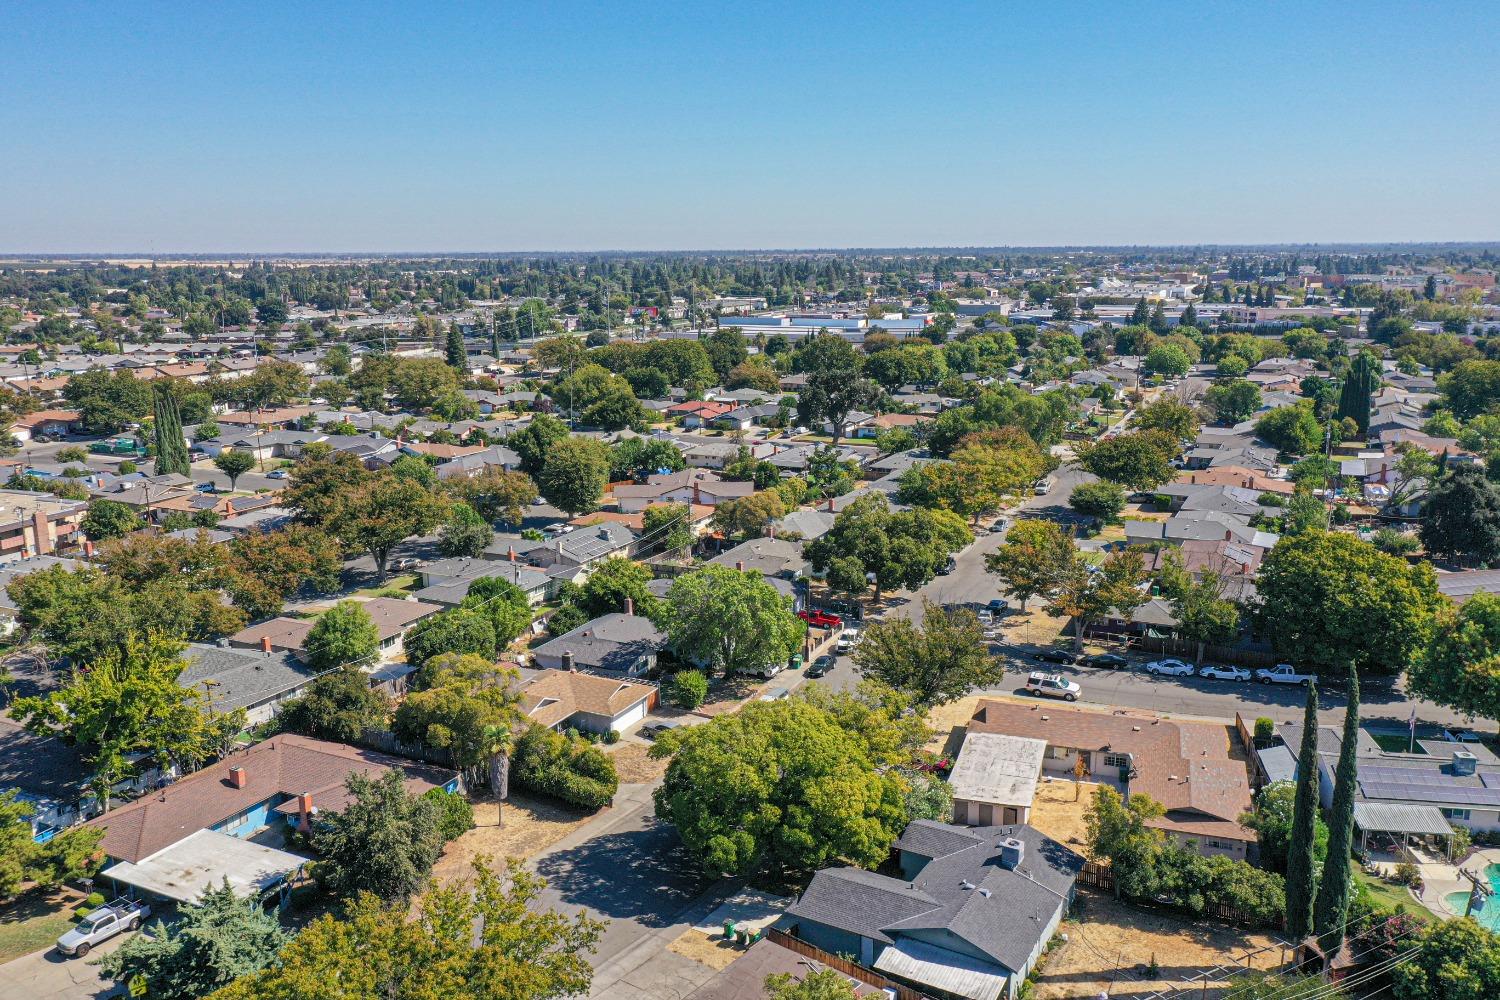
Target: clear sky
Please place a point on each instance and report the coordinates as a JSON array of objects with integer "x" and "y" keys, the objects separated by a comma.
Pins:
[{"x": 325, "y": 125}]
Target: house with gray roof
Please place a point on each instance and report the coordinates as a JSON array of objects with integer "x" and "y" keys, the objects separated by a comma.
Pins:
[
  {"x": 254, "y": 680},
  {"x": 971, "y": 914},
  {"x": 616, "y": 643}
]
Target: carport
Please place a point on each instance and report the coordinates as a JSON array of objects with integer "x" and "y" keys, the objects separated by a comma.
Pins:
[{"x": 1399, "y": 820}]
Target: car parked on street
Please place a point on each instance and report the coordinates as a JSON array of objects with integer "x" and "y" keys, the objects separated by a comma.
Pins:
[
  {"x": 1170, "y": 668},
  {"x": 820, "y": 666},
  {"x": 1106, "y": 661},
  {"x": 1283, "y": 673},
  {"x": 277, "y": 474},
  {"x": 1224, "y": 672},
  {"x": 1040, "y": 685},
  {"x": 820, "y": 619},
  {"x": 101, "y": 924},
  {"x": 847, "y": 640},
  {"x": 1055, "y": 654}
]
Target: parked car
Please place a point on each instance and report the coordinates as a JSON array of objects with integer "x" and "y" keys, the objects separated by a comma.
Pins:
[
  {"x": 820, "y": 619},
  {"x": 948, "y": 567},
  {"x": 1107, "y": 661},
  {"x": 998, "y": 607},
  {"x": 1042, "y": 487},
  {"x": 1040, "y": 685},
  {"x": 206, "y": 488},
  {"x": 847, "y": 639},
  {"x": 653, "y": 730},
  {"x": 820, "y": 666},
  {"x": 1055, "y": 654},
  {"x": 408, "y": 563},
  {"x": 102, "y": 924},
  {"x": 998, "y": 526},
  {"x": 277, "y": 474},
  {"x": 1224, "y": 672},
  {"x": 1283, "y": 673},
  {"x": 1170, "y": 668}
]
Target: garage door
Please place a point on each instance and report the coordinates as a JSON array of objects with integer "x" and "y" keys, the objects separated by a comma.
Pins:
[{"x": 632, "y": 716}]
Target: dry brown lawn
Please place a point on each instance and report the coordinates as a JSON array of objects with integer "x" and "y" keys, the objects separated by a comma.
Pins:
[
  {"x": 1056, "y": 812},
  {"x": 634, "y": 765},
  {"x": 1110, "y": 944},
  {"x": 532, "y": 825},
  {"x": 714, "y": 952}
]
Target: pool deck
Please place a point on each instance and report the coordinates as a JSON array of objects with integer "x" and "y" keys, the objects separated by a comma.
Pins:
[{"x": 1440, "y": 880}]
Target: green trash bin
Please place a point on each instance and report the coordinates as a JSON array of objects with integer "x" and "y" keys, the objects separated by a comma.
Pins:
[
  {"x": 795, "y": 663},
  {"x": 729, "y": 930}
]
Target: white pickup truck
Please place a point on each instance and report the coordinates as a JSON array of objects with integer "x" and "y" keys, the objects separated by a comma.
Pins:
[
  {"x": 1283, "y": 673},
  {"x": 102, "y": 924}
]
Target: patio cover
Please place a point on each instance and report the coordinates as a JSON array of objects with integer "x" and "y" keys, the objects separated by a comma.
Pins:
[
  {"x": 205, "y": 859},
  {"x": 1392, "y": 817},
  {"x": 946, "y": 970}
]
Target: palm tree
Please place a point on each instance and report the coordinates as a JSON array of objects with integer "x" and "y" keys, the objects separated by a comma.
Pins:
[{"x": 497, "y": 744}]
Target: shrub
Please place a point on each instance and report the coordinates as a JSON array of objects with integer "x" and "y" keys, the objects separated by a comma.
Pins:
[
  {"x": 94, "y": 899},
  {"x": 1407, "y": 874},
  {"x": 1461, "y": 843},
  {"x": 686, "y": 689},
  {"x": 1264, "y": 729},
  {"x": 564, "y": 768},
  {"x": 565, "y": 619},
  {"x": 612, "y": 737},
  {"x": 455, "y": 815}
]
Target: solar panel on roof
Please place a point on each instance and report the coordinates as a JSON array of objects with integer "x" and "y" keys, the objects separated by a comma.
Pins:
[
  {"x": 1491, "y": 779},
  {"x": 1448, "y": 793}
]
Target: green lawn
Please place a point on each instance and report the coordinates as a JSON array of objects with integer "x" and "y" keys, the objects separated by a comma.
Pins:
[
  {"x": 1384, "y": 893},
  {"x": 33, "y": 922},
  {"x": 1395, "y": 743},
  {"x": 404, "y": 582}
]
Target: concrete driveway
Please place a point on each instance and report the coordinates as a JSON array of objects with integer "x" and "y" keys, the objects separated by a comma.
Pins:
[{"x": 50, "y": 975}]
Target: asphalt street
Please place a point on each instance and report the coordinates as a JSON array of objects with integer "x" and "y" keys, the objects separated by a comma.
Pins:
[{"x": 44, "y": 457}]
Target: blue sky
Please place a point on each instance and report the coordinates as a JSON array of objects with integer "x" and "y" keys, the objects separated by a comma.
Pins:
[{"x": 341, "y": 126}]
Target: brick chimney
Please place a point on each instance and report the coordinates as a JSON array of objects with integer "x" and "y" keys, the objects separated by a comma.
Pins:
[
  {"x": 88, "y": 549},
  {"x": 237, "y": 777},
  {"x": 510, "y": 553},
  {"x": 740, "y": 565},
  {"x": 697, "y": 494},
  {"x": 567, "y": 661},
  {"x": 629, "y": 606},
  {"x": 265, "y": 644},
  {"x": 830, "y": 505},
  {"x": 304, "y": 811}
]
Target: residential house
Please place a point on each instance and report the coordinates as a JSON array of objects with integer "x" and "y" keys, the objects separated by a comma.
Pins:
[
  {"x": 970, "y": 915},
  {"x": 619, "y": 643},
  {"x": 695, "y": 486},
  {"x": 995, "y": 779},
  {"x": 48, "y": 423},
  {"x": 253, "y": 680},
  {"x": 562, "y": 699},
  {"x": 34, "y": 523},
  {"x": 1183, "y": 765}
]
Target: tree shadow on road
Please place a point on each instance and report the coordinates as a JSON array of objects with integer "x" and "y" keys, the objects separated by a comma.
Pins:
[{"x": 642, "y": 875}]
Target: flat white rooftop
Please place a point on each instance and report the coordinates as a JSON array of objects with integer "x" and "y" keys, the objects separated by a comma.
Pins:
[
  {"x": 204, "y": 860},
  {"x": 1001, "y": 770}
]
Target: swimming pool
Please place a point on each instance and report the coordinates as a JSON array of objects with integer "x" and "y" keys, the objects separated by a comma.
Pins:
[{"x": 1490, "y": 916}]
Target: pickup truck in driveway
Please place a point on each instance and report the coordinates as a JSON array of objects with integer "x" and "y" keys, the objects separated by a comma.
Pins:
[
  {"x": 1283, "y": 673},
  {"x": 103, "y": 924}
]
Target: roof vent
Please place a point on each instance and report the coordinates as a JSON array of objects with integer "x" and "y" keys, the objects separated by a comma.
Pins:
[
  {"x": 1135, "y": 729},
  {"x": 1046, "y": 718},
  {"x": 985, "y": 893},
  {"x": 1012, "y": 851},
  {"x": 966, "y": 884},
  {"x": 1464, "y": 762}
]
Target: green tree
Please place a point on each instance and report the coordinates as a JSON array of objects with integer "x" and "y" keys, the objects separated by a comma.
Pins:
[
  {"x": 574, "y": 477},
  {"x": 667, "y": 526},
  {"x": 1103, "y": 499},
  {"x": 778, "y": 785},
  {"x": 1232, "y": 401},
  {"x": 1461, "y": 668},
  {"x": 565, "y": 767},
  {"x": 1458, "y": 960},
  {"x": 264, "y": 568},
  {"x": 454, "y": 352},
  {"x": 496, "y": 494},
  {"x": 749, "y": 516},
  {"x": 835, "y": 386},
  {"x": 686, "y": 689},
  {"x": 1168, "y": 359},
  {"x": 171, "y": 448},
  {"x": 1204, "y": 616},
  {"x": 459, "y": 699},
  {"x": 344, "y": 634},
  {"x": 1324, "y": 594},
  {"x": 485, "y": 937},
  {"x": 1293, "y": 429},
  {"x": 1461, "y": 518},
  {"x": 383, "y": 842},
  {"x": 127, "y": 709},
  {"x": 1166, "y": 414},
  {"x": 1140, "y": 460},
  {"x": 461, "y": 630},
  {"x": 1085, "y": 597},
  {"x": 534, "y": 441},
  {"x": 901, "y": 548},
  {"x": 69, "y": 855},
  {"x": 943, "y": 660},
  {"x": 639, "y": 457},
  {"x": 212, "y": 943},
  {"x": 730, "y": 621},
  {"x": 1273, "y": 820},
  {"x": 465, "y": 533},
  {"x": 108, "y": 519},
  {"x": 613, "y": 582},
  {"x": 1362, "y": 380},
  {"x": 1331, "y": 907},
  {"x": 108, "y": 401},
  {"x": 1302, "y": 846},
  {"x": 338, "y": 705},
  {"x": 1117, "y": 831},
  {"x": 384, "y": 512},
  {"x": 1033, "y": 561},
  {"x": 234, "y": 463}
]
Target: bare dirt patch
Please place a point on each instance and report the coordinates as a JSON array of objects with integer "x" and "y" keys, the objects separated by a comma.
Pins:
[
  {"x": 712, "y": 951},
  {"x": 1111, "y": 945},
  {"x": 532, "y": 824},
  {"x": 633, "y": 764}
]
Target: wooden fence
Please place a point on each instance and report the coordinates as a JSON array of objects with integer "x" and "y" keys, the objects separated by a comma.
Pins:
[
  {"x": 848, "y": 968},
  {"x": 1099, "y": 876},
  {"x": 1172, "y": 646},
  {"x": 385, "y": 741}
]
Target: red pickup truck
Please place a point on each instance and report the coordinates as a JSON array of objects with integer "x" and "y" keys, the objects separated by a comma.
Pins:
[{"x": 821, "y": 619}]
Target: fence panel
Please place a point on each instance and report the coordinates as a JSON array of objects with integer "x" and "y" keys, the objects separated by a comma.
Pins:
[{"x": 843, "y": 965}]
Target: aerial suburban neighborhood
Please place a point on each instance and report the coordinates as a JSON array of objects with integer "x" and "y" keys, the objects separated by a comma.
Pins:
[{"x": 1068, "y": 568}]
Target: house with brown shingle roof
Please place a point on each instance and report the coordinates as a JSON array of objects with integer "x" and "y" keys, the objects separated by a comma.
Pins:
[
  {"x": 563, "y": 699},
  {"x": 1186, "y": 766},
  {"x": 284, "y": 779}
]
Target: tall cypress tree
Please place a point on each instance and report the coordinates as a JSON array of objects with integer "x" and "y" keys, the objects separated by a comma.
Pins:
[
  {"x": 1354, "y": 398},
  {"x": 171, "y": 449},
  {"x": 1300, "y": 860},
  {"x": 457, "y": 356},
  {"x": 1331, "y": 909},
  {"x": 1141, "y": 313}
]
